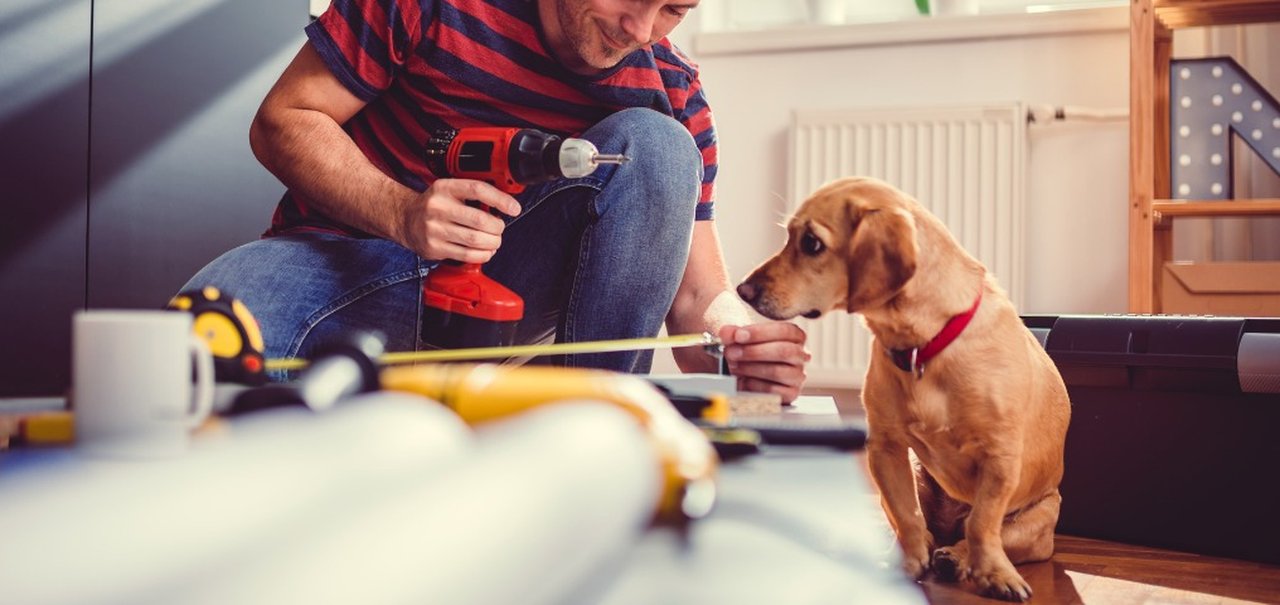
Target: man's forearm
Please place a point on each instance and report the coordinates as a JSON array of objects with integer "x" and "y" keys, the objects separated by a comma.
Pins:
[
  {"x": 705, "y": 300},
  {"x": 313, "y": 156}
]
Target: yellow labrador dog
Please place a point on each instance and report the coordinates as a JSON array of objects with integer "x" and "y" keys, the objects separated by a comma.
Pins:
[{"x": 954, "y": 376}]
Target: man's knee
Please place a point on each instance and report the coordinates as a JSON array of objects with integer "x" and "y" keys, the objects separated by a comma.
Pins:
[
  {"x": 649, "y": 130},
  {"x": 254, "y": 275},
  {"x": 291, "y": 284},
  {"x": 664, "y": 170},
  {"x": 656, "y": 145},
  {"x": 229, "y": 272}
]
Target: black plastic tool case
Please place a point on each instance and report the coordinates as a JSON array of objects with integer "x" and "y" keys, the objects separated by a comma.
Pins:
[{"x": 1174, "y": 439}]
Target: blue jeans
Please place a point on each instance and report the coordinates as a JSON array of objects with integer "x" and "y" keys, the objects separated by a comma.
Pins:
[{"x": 594, "y": 258}]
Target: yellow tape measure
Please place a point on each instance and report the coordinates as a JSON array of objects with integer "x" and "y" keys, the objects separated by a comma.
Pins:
[
  {"x": 230, "y": 331},
  {"x": 704, "y": 339}
]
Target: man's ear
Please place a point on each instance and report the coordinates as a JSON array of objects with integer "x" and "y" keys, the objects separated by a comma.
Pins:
[{"x": 882, "y": 256}]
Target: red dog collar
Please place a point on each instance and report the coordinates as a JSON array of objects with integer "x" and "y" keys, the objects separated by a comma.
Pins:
[{"x": 912, "y": 360}]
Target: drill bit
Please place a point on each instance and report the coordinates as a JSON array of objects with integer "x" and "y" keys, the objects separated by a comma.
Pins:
[{"x": 609, "y": 158}]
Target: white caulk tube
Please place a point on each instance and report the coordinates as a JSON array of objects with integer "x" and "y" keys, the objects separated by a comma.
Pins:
[
  {"x": 83, "y": 530},
  {"x": 544, "y": 500}
]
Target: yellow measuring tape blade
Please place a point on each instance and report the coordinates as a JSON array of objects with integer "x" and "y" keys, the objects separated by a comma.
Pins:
[{"x": 598, "y": 346}]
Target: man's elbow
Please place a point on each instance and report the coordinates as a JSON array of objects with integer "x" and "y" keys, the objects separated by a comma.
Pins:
[
  {"x": 257, "y": 136},
  {"x": 263, "y": 131}
]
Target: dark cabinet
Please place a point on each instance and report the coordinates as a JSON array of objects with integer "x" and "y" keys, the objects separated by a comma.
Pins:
[
  {"x": 44, "y": 151},
  {"x": 132, "y": 168}
]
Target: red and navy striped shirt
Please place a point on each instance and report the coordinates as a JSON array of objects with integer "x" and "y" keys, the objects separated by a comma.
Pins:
[{"x": 426, "y": 65}]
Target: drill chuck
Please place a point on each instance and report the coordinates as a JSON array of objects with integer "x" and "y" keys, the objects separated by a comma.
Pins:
[{"x": 579, "y": 158}]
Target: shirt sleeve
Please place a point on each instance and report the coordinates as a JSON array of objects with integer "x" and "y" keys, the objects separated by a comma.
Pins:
[
  {"x": 689, "y": 105},
  {"x": 696, "y": 117},
  {"x": 366, "y": 42}
]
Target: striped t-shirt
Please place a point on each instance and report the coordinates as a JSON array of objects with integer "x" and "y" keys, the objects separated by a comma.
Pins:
[{"x": 426, "y": 65}]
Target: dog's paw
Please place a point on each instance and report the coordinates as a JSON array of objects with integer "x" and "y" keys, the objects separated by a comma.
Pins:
[
  {"x": 915, "y": 558},
  {"x": 949, "y": 565},
  {"x": 1003, "y": 584},
  {"x": 915, "y": 567}
]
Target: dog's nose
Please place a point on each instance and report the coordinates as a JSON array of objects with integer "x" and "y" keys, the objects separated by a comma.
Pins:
[{"x": 749, "y": 292}]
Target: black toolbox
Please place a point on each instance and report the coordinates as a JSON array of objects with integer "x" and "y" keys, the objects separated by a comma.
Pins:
[{"x": 1174, "y": 439}]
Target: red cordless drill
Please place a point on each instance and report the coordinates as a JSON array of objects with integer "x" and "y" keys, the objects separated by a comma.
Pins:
[{"x": 463, "y": 306}]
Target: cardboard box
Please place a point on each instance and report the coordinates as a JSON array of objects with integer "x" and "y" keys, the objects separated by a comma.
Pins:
[{"x": 1244, "y": 289}]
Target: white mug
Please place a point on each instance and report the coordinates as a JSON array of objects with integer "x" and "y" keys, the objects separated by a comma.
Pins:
[{"x": 132, "y": 391}]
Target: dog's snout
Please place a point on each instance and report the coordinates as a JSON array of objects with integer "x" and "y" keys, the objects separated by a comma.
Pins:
[{"x": 749, "y": 291}]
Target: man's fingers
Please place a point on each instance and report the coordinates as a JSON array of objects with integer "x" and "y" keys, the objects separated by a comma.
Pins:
[
  {"x": 780, "y": 373},
  {"x": 783, "y": 351},
  {"x": 471, "y": 238},
  {"x": 474, "y": 219},
  {"x": 480, "y": 191},
  {"x": 763, "y": 332},
  {"x": 447, "y": 250},
  {"x": 767, "y": 358}
]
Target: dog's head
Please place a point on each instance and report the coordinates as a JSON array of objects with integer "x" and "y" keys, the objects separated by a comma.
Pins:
[{"x": 851, "y": 245}]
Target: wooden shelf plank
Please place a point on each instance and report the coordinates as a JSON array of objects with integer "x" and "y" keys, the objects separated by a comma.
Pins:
[
  {"x": 1197, "y": 13},
  {"x": 1257, "y": 207}
]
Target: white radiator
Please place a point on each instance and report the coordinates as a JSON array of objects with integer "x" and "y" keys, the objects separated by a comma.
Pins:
[{"x": 966, "y": 164}]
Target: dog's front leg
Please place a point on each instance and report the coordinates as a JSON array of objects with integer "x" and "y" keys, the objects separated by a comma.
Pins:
[
  {"x": 891, "y": 471},
  {"x": 989, "y": 565}
]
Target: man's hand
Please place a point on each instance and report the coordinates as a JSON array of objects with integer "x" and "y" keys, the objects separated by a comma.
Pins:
[
  {"x": 767, "y": 357},
  {"x": 439, "y": 224}
]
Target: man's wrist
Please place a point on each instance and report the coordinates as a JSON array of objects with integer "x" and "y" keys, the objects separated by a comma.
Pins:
[
  {"x": 402, "y": 219},
  {"x": 726, "y": 310}
]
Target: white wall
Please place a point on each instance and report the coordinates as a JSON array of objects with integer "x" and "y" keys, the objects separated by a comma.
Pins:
[
  {"x": 1077, "y": 182},
  {"x": 1077, "y": 230}
]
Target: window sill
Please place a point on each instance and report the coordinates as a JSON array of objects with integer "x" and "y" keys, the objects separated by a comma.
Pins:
[{"x": 912, "y": 31}]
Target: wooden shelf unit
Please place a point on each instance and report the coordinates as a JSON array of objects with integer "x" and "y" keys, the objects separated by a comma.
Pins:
[{"x": 1151, "y": 25}]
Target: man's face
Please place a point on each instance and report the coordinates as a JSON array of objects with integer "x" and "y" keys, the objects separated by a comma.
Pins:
[{"x": 589, "y": 36}]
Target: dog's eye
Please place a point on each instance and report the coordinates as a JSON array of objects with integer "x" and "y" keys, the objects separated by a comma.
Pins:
[{"x": 810, "y": 244}]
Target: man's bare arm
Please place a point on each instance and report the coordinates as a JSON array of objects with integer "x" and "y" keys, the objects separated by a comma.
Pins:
[
  {"x": 766, "y": 357},
  {"x": 704, "y": 302},
  {"x": 297, "y": 135}
]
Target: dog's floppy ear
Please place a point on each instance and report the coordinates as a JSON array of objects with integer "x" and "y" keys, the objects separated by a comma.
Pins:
[{"x": 882, "y": 256}]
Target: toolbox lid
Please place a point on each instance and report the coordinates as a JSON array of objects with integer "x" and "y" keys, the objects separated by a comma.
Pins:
[
  {"x": 1146, "y": 340},
  {"x": 1163, "y": 352}
]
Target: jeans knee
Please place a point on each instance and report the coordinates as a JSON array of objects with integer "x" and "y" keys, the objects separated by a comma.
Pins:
[
  {"x": 224, "y": 271},
  {"x": 648, "y": 130},
  {"x": 654, "y": 142},
  {"x": 659, "y": 187},
  {"x": 292, "y": 283}
]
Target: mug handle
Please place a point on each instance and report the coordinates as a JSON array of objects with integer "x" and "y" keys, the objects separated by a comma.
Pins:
[{"x": 203, "y": 388}]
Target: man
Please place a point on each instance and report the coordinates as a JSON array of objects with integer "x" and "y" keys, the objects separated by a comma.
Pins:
[{"x": 607, "y": 256}]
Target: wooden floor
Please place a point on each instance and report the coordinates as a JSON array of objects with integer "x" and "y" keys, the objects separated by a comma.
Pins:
[
  {"x": 1097, "y": 572},
  {"x": 1105, "y": 573}
]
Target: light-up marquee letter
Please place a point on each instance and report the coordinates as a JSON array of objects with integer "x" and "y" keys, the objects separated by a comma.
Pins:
[{"x": 1208, "y": 100}]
